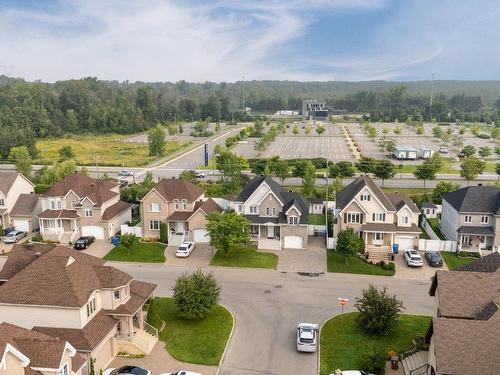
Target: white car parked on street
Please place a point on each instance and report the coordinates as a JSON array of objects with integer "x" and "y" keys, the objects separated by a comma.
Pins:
[
  {"x": 413, "y": 258},
  {"x": 184, "y": 249},
  {"x": 307, "y": 337},
  {"x": 182, "y": 373}
]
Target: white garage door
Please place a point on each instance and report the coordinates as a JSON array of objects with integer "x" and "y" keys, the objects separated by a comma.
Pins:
[
  {"x": 201, "y": 235},
  {"x": 292, "y": 242},
  {"x": 23, "y": 225},
  {"x": 93, "y": 230},
  {"x": 405, "y": 243}
]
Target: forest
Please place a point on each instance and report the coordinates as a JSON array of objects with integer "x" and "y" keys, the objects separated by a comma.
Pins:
[{"x": 31, "y": 110}]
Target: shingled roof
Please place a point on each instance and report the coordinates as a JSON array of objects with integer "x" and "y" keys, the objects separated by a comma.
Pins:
[
  {"x": 489, "y": 263},
  {"x": 480, "y": 199},
  {"x": 398, "y": 200},
  {"x": 171, "y": 189},
  {"x": 24, "y": 205},
  {"x": 7, "y": 179},
  {"x": 347, "y": 194}
]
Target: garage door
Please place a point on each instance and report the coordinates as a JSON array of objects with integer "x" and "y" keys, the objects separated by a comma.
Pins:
[
  {"x": 104, "y": 355},
  {"x": 23, "y": 225},
  {"x": 292, "y": 242},
  {"x": 93, "y": 230},
  {"x": 405, "y": 243},
  {"x": 201, "y": 235}
]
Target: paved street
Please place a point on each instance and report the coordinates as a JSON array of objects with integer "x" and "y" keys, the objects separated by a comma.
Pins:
[{"x": 268, "y": 305}]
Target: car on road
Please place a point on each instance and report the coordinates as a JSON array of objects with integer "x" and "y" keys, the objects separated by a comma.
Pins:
[
  {"x": 434, "y": 258},
  {"x": 123, "y": 183},
  {"x": 125, "y": 173},
  {"x": 182, "y": 372},
  {"x": 83, "y": 242},
  {"x": 184, "y": 249},
  {"x": 307, "y": 337},
  {"x": 199, "y": 174},
  {"x": 14, "y": 236},
  {"x": 127, "y": 370},
  {"x": 443, "y": 150},
  {"x": 413, "y": 258}
]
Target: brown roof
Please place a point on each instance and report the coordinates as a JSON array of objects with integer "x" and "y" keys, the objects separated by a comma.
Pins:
[
  {"x": 180, "y": 216},
  {"x": 116, "y": 209},
  {"x": 488, "y": 263},
  {"x": 43, "y": 351},
  {"x": 59, "y": 214},
  {"x": 464, "y": 346},
  {"x": 25, "y": 205},
  {"x": 98, "y": 191},
  {"x": 171, "y": 189},
  {"x": 207, "y": 206},
  {"x": 21, "y": 256},
  {"x": 80, "y": 274},
  {"x": 139, "y": 293},
  {"x": 7, "y": 179},
  {"x": 87, "y": 338},
  {"x": 399, "y": 200}
]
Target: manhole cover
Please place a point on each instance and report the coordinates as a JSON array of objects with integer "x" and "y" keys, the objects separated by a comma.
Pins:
[
  {"x": 267, "y": 291},
  {"x": 278, "y": 286}
]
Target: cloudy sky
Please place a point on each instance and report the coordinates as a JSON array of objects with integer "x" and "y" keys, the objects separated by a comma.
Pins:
[{"x": 203, "y": 40}]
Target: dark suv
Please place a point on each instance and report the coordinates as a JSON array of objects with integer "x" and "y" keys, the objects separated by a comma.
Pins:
[{"x": 83, "y": 242}]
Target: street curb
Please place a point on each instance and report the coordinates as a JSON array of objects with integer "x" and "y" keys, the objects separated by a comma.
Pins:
[{"x": 228, "y": 340}]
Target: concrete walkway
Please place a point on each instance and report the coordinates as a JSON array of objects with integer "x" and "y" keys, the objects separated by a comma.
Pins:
[
  {"x": 99, "y": 248},
  {"x": 313, "y": 259},
  {"x": 201, "y": 256}
]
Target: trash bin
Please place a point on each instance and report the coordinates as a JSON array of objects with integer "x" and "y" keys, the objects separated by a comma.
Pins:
[
  {"x": 395, "y": 248},
  {"x": 115, "y": 240},
  {"x": 394, "y": 362}
]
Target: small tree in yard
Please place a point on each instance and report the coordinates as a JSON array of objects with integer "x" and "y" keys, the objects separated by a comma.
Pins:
[
  {"x": 373, "y": 361},
  {"x": 196, "y": 294},
  {"x": 227, "y": 230},
  {"x": 349, "y": 243},
  {"x": 163, "y": 233},
  {"x": 127, "y": 240},
  {"x": 378, "y": 311}
]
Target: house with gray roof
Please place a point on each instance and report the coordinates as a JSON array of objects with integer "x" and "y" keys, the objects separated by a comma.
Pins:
[
  {"x": 278, "y": 218},
  {"x": 381, "y": 219},
  {"x": 12, "y": 185},
  {"x": 471, "y": 217}
]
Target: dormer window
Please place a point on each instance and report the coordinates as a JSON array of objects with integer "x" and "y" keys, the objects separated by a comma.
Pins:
[
  {"x": 253, "y": 209},
  {"x": 116, "y": 294},
  {"x": 88, "y": 212},
  {"x": 274, "y": 211},
  {"x": 365, "y": 197},
  {"x": 293, "y": 220},
  {"x": 154, "y": 207},
  {"x": 405, "y": 219},
  {"x": 176, "y": 206},
  {"x": 485, "y": 219},
  {"x": 91, "y": 307},
  {"x": 268, "y": 211},
  {"x": 2, "y": 202},
  {"x": 184, "y": 206},
  {"x": 468, "y": 219}
]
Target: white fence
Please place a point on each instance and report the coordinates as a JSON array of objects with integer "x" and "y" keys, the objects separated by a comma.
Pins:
[
  {"x": 428, "y": 229},
  {"x": 137, "y": 230},
  {"x": 311, "y": 229},
  {"x": 437, "y": 245},
  {"x": 331, "y": 243}
]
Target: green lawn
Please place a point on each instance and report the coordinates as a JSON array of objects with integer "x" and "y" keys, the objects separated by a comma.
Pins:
[
  {"x": 336, "y": 263},
  {"x": 195, "y": 341},
  {"x": 245, "y": 256},
  {"x": 434, "y": 223},
  {"x": 317, "y": 219},
  {"x": 453, "y": 261},
  {"x": 139, "y": 252},
  {"x": 342, "y": 342},
  {"x": 408, "y": 191},
  {"x": 424, "y": 235}
]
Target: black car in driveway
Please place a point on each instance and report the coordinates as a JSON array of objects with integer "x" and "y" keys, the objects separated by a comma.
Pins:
[
  {"x": 434, "y": 258},
  {"x": 83, "y": 242}
]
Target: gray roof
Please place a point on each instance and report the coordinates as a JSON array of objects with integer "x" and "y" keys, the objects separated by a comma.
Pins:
[
  {"x": 480, "y": 199},
  {"x": 348, "y": 193},
  {"x": 7, "y": 179},
  {"x": 489, "y": 263},
  {"x": 255, "y": 183},
  {"x": 25, "y": 205},
  {"x": 487, "y": 231},
  {"x": 428, "y": 205},
  {"x": 399, "y": 200}
]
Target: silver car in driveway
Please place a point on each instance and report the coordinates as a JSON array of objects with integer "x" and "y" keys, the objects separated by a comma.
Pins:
[
  {"x": 413, "y": 258},
  {"x": 14, "y": 236},
  {"x": 307, "y": 337}
]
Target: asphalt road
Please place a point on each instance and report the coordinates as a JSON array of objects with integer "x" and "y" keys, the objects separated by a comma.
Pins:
[{"x": 268, "y": 305}]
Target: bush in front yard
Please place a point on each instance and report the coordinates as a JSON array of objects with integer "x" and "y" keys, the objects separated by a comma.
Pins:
[
  {"x": 153, "y": 316},
  {"x": 373, "y": 362},
  {"x": 196, "y": 294},
  {"x": 163, "y": 233},
  {"x": 392, "y": 266},
  {"x": 378, "y": 311}
]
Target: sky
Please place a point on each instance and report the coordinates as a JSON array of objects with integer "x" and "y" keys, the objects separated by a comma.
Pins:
[{"x": 224, "y": 40}]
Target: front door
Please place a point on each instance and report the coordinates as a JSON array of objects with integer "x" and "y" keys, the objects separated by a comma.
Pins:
[
  {"x": 270, "y": 232},
  {"x": 179, "y": 227}
]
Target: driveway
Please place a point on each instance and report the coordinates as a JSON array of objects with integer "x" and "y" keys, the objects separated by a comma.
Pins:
[
  {"x": 313, "y": 259},
  {"x": 419, "y": 273},
  {"x": 99, "y": 248},
  {"x": 200, "y": 257},
  {"x": 5, "y": 248},
  {"x": 159, "y": 361}
]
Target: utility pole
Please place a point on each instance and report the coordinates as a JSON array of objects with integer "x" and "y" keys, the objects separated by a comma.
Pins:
[{"x": 243, "y": 96}]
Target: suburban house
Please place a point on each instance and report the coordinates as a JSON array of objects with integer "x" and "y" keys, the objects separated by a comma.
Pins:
[
  {"x": 463, "y": 335},
  {"x": 75, "y": 297},
  {"x": 381, "y": 219},
  {"x": 12, "y": 185},
  {"x": 431, "y": 210},
  {"x": 26, "y": 352},
  {"x": 24, "y": 214},
  {"x": 278, "y": 218},
  {"x": 471, "y": 216},
  {"x": 82, "y": 206},
  {"x": 179, "y": 204}
]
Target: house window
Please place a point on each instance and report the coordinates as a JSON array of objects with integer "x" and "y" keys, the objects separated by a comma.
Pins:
[
  {"x": 405, "y": 219},
  {"x": 468, "y": 219},
  {"x": 428, "y": 211},
  {"x": 91, "y": 307},
  {"x": 154, "y": 225},
  {"x": 55, "y": 205},
  {"x": 184, "y": 206},
  {"x": 65, "y": 369},
  {"x": 154, "y": 207},
  {"x": 268, "y": 211},
  {"x": 73, "y": 204},
  {"x": 293, "y": 220},
  {"x": 254, "y": 229},
  {"x": 177, "y": 206},
  {"x": 2, "y": 202},
  {"x": 116, "y": 294},
  {"x": 253, "y": 209},
  {"x": 88, "y": 212},
  {"x": 353, "y": 218},
  {"x": 240, "y": 207},
  {"x": 274, "y": 211},
  {"x": 377, "y": 236},
  {"x": 378, "y": 217},
  {"x": 485, "y": 219},
  {"x": 365, "y": 197}
]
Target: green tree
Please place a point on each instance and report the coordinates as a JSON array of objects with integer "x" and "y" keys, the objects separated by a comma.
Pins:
[
  {"x": 281, "y": 169},
  {"x": 231, "y": 167},
  {"x": 384, "y": 170},
  {"x": 372, "y": 132},
  {"x": 420, "y": 129},
  {"x": 342, "y": 169},
  {"x": 471, "y": 167},
  {"x": 299, "y": 169},
  {"x": 66, "y": 152},
  {"x": 295, "y": 130},
  {"x": 497, "y": 170},
  {"x": 21, "y": 158},
  {"x": 188, "y": 175},
  {"x": 349, "y": 243},
  {"x": 373, "y": 361},
  {"x": 428, "y": 169},
  {"x": 484, "y": 151},
  {"x": 195, "y": 294},
  {"x": 378, "y": 311},
  {"x": 181, "y": 129},
  {"x": 227, "y": 230},
  {"x": 366, "y": 165},
  {"x": 156, "y": 141},
  {"x": 320, "y": 129},
  {"x": 437, "y": 132},
  {"x": 469, "y": 150},
  {"x": 217, "y": 127},
  {"x": 309, "y": 179},
  {"x": 398, "y": 130},
  {"x": 163, "y": 233},
  {"x": 441, "y": 188}
]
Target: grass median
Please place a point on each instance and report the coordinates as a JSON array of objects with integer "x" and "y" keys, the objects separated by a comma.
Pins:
[
  {"x": 138, "y": 252},
  {"x": 336, "y": 262},
  {"x": 245, "y": 256},
  {"x": 343, "y": 343}
]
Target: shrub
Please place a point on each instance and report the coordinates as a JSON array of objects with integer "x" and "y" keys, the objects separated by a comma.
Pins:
[
  {"x": 382, "y": 263},
  {"x": 195, "y": 294},
  {"x": 1, "y": 231},
  {"x": 163, "y": 233},
  {"x": 378, "y": 311},
  {"x": 153, "y": 316},
  {"x": 373, "y": 361},
  {"x": 36, "y": 238},
  {"x": 392, "y": 266},
  {"x": 385, "y": 266}
]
